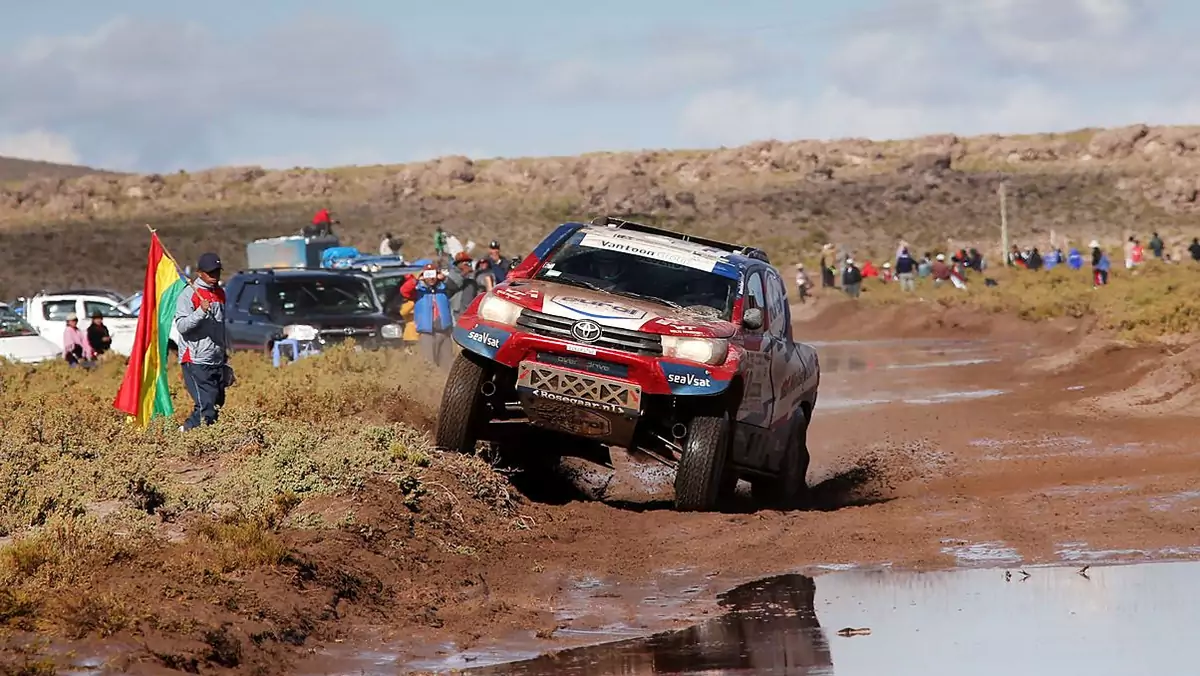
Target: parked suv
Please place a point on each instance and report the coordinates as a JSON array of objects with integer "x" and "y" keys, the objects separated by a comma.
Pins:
[
  {"x": 642, "y": 338},
  {"x": 326, "y": 307}
]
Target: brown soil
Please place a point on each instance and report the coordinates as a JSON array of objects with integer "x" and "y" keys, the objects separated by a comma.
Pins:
[{"x": 1057, "y": 460}]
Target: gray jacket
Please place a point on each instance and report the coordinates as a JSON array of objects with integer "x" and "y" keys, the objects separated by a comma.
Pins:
[{"x": 205, "y": 340}]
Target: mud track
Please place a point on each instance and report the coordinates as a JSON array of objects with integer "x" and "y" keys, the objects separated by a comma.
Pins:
[{"x": 984, "y": 449}]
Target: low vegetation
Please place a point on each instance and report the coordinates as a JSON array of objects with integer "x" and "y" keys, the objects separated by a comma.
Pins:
[
  {"x": 236, "y": 542},
  {"x": 1155, "y": 301}
]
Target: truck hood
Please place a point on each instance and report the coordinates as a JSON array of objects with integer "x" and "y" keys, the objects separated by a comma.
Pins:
[
  {"x": 27, "y": 349},
  {"x": 607, "y": 309}
]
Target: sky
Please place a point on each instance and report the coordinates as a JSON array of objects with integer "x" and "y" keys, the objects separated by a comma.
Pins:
[{"x": 155, "y": 87}]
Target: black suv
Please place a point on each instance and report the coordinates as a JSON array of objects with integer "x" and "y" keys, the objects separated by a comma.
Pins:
[{"x": 263, "y": 306}]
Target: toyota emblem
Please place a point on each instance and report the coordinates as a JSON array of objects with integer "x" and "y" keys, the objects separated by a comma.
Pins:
[{"x": 586, "y": 331}]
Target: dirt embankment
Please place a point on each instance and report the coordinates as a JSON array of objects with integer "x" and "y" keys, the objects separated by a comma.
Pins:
[{"x": 788, "y": 197}]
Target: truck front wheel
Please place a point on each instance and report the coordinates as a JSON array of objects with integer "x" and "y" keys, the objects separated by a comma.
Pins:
[
  {"x": 698, "y": 477},
  {"x": 463, "y": 410}
]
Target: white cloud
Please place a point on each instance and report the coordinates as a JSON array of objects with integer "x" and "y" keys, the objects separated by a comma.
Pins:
[
  {"x": 39, "y": 145},
  {"x": 1005, "y": 66},
  {"x": 162, "y": 91}
]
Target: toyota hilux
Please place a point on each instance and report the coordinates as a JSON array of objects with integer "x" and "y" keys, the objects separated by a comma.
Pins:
[{"x": 632, "y": 336}]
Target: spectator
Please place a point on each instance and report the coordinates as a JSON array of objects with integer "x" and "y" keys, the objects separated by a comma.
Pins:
[
  {"x": 204, "y": 351},
  {"x": 97, "y": 335},
  {"x": 851, "y": 278},
  {"x": 1075, "y": 259},
  {"x": 1156, "y": 245},
  {"x": 905, "y": 270},
  {"x": 439, "y": 242},
  {"x": 390, "y": 246},
  {"x": 1128, "y": 248},
  {"x": 1100, "y": 265},
  {"x": 461, "y": 279},
  {"x": 939, "y": 270},
  {"x": 76, "y": 349},
  {"x": 322, "y": 224},
  {"x": 1194, "y": 249},
  {"x": 926, "y": 266},
  {"x": 484, "y": 275},
  {"x": 869, "y": 271},
  {"x": 1139, "y": 254},
  {"x": 500, "y": 264},
  {"x": 803, "y": 283},
  {"x": 431, "y": 313},
  {"x": 827, "y": 273},
  {"x": 1035, "y": 259}
]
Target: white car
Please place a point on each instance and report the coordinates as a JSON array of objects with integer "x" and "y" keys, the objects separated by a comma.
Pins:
[
  {"x": 47, "y": 313},
  {"x": 20, "y": 342}
]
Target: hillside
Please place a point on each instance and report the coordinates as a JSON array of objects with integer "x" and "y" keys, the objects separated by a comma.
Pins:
[
  {"x": 786, "y": 196},
  {"x": 13, "y": 169}
]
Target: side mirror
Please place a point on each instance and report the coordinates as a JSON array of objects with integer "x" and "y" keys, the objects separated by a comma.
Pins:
[{"x": 752, "y": 319}]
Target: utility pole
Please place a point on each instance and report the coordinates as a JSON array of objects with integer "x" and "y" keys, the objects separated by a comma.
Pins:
[{"x": 1003, "y": 224}]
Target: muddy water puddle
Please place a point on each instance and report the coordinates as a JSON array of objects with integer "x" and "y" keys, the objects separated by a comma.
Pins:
[
  {"x": 1114, "y": 619},
  {"x": 855, "y": 374}
]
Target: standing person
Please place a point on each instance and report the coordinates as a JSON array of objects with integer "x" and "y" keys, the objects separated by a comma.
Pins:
[
  {"x": 827, "y": 273},
  {"x": 461, "y": 279},
  {"x": 803, "y": 283},
  {"x": 484, "y": 275},
  {"x": 500, "y": 264},
  {"x": 1156, "y": 245},
  {"x": 431, "y": 313},
  {"x": 76, "y": 349},
  {"x": 1194, "y": 249},
  {"x": 1099, "y": 266},
  {"x": 906, "y": 269},
  {"x": 204, "y": 351},
  {"x": 1128, "y": 247},
  {"x": 851, "y": 278},
  {"x": 439, "y": 243},
  {"x": 97, "y": 334}
]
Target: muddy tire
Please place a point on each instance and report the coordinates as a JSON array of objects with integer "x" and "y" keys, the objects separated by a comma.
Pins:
[
  {"x": 699, "y": 476},
  {"x": 788, "y": 490},
  {"x": 463, "y": 410}
]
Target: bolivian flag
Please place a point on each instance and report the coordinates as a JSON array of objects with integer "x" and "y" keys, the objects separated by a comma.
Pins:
[{"x": 144, "y": 394}]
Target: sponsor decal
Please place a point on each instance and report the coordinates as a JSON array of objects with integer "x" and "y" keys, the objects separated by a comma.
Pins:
[
  {"x": 581, "y": 349},
  {"x": 598, "y": 309},
  {"x": 576, "y": 401},
  {"x": 481, "y": 339},
  {"x": 691, "y": 380},
  {"x": 596, "y": 366},
  {"x": 698, "y": 258}
]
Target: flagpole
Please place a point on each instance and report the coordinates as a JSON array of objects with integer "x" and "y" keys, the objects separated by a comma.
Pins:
[{"x": 171, "y": 258}]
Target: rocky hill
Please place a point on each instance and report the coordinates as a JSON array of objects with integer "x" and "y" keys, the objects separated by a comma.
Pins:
[
  {"x": 786, "y": 196},
  {"x": 15, "y": 170}
]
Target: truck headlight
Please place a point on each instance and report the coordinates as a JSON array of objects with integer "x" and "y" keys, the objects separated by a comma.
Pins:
[
  {"x": 300, "y": 332},
  {"x": 391, "y": 331},
  {"x": 700, "y": 350},
  {"x": 498, "y": 310}
]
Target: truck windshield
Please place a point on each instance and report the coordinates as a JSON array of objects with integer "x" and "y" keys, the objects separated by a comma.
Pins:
[
  {"x": 321, "y": 296},
  {"x": 12, "y": 325},
  {"x": 580, "y": 262}
]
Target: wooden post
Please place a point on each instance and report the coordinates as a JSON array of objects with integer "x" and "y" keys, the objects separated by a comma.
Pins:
[{"x": 1003, "y": 224}]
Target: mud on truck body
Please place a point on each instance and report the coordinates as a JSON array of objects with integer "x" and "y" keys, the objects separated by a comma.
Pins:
[{"x": 621, "y": 334}]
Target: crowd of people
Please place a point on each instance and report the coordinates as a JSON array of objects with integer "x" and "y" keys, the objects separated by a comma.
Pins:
[{"x": 967, "y": 262}]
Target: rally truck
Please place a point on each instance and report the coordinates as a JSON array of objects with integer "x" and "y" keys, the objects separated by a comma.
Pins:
[{"x": 625, "y": 335}]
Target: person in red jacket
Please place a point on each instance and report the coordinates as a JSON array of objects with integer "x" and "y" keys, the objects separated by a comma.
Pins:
[
  {"x": 868, "y": 270},
  {"x": 322, "y": 224}
]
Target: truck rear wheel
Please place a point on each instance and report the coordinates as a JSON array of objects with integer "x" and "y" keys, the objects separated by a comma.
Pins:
[
  {"x": 698, "y": 477},
  {"x": 462, "y": 411},
  {"x": 788, "y": 489}
]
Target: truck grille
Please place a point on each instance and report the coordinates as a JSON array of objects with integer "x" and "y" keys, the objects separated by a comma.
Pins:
[
  {"x": 637, "y": 342},
  {"x": 609, "y": 393},
  {"x": 332, "y": 334}
]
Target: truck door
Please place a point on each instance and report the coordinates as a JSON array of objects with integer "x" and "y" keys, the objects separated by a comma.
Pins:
[
  {"x": 758, "y": 398},
  {"x": 792, "y": 365}
]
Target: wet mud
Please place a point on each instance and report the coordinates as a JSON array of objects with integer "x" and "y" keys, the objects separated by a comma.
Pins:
[{"x": 978, "y": 446}]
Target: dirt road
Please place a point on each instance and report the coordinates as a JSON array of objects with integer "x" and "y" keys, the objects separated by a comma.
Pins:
[{"x": 927, "y": 453}]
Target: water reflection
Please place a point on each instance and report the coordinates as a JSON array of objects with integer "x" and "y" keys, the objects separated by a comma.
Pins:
[
  {"x": 1111, "y": 620},
  {"x": 770, "y": 627}
]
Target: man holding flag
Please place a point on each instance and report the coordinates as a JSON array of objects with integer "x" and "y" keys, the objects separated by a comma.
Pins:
[
  {"x": 200, "y": 318},
  {"x": 197, "y": 309}
]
